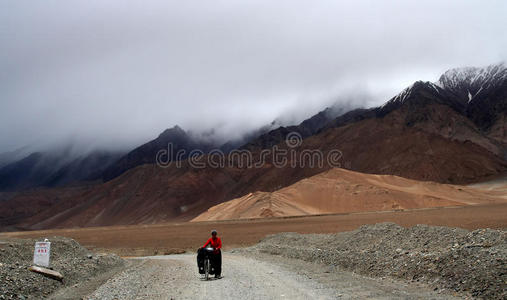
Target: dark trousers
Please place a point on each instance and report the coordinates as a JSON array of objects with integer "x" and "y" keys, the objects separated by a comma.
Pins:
[{"x": 216, "y": 261}]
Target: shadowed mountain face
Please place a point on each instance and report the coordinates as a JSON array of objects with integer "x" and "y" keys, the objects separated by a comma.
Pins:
[
  {"x": 479, "y": 94},
  {"x": 424, "y": 133},
  {"x": 13, "y": 156},
  {"x": 55, "y": 168},
  {"x": 23, "y": 173},
  {"x": 306, "y": 128},
  {"x": 182, "y": 141},
  {"x": 179, "y": 140},
  {"x": 483, "y": 92}
]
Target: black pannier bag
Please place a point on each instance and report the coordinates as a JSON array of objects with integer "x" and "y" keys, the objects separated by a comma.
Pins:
[{"x": 201, "y": 254}]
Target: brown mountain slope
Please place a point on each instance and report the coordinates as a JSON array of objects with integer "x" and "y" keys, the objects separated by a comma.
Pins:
[
  {"x": 498, "y": 131},
  {"x": 343, "y": 191},
  {"x": 387, "y": 146},
  {"x": 150, "y": 194},
  {"x": 446, "y": 122}
]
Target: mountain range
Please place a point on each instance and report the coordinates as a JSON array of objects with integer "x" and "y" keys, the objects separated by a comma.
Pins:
[
  {"x": 449, "y": 131},
  {"x": 57, "y": 167}
]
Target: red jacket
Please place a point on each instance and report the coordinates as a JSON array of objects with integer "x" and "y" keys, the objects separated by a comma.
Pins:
[{"x": 215, "y": 243}]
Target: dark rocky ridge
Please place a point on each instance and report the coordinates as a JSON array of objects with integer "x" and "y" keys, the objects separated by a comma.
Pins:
[
  {"x": 306, "y": 128},
  {"x": 181, "y": 140},
  {"x": 146, "y": 153},
  {"x": 54, "y": 168},
  {"x": 482, "y": 91}
]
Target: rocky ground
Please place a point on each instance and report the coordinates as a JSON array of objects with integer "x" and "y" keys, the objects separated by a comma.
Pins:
[
  {"x": 247, "y": 276},
  {"x": 382, "y": 261},
  {"x": 76, "y": 263},
  {"x": 447, "y": 259}
]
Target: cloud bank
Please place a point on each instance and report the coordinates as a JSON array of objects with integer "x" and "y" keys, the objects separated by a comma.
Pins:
[{"x": 117, "y": 73}]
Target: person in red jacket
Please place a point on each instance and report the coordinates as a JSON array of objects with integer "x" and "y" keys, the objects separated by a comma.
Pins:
[{"x": 216, "y": 243}]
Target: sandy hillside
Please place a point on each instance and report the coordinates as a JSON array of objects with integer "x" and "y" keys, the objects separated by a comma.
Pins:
[{"x": 342, "y": 191}]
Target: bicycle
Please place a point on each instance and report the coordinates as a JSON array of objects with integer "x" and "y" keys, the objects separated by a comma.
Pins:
[{"x": 207, "y": 262}]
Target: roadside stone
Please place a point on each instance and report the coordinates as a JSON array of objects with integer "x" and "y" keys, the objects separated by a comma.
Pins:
[{"x": 16, "y": 282}]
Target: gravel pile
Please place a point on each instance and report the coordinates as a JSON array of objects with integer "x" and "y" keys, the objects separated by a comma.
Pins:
[
  {"x": 75, "y": 262},
  {"x": 449, "y": 259}
]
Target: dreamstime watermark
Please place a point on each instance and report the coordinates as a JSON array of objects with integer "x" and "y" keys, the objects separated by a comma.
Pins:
[{"x": 279, "y": 157}]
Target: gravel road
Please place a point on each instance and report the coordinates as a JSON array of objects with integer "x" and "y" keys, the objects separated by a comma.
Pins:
[{"x": 176, "y": 277}]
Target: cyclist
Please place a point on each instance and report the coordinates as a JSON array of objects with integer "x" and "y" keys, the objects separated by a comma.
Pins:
[{"x": 216, "y": 258}]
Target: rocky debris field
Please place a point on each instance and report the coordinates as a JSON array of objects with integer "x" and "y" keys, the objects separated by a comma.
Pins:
[
  {"x": 249, "y": 277},
  {"x": 450, "y": 260},
  {"x": 75, "y": 262}
]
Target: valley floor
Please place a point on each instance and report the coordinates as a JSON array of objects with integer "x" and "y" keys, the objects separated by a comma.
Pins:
[
  {"x": 176, "y": 277},
  {"x": 143, "y": 240}
]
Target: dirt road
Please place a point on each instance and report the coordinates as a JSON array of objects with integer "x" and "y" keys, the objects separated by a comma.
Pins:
[{"x": 176, "y": 277}]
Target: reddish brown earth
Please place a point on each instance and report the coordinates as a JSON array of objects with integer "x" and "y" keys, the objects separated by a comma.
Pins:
[
  {"x": 175, "y": 237},
  {"x": 387, "y": 146},
  {"x": 149, "y": 194},
  {"x": 343, "y": 191},
  {"x": 498, "y": 131}
]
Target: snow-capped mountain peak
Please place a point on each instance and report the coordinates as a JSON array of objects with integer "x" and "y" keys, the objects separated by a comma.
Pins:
[
  {"x": 472, "y": 75},
  {"x": 468, "y": 82},
  {"x": 410, "y": 90},
  {"x": 458, "y": 87}
]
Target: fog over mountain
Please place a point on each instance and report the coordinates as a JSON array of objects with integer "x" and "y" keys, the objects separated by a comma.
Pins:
[{"x": 113, "y": 75}]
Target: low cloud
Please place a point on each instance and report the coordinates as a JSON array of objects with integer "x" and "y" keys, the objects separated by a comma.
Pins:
[{"x": 117, "y": 73}]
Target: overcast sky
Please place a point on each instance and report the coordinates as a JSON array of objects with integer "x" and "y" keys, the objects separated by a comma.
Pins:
[{"x": 119, "y": 72}]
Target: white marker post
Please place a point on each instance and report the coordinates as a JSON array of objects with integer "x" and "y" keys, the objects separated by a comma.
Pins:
[{"x": 41, "y": 253}]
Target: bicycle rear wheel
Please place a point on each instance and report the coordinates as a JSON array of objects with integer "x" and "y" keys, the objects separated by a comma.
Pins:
[{"x": 206, "y": 268}]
